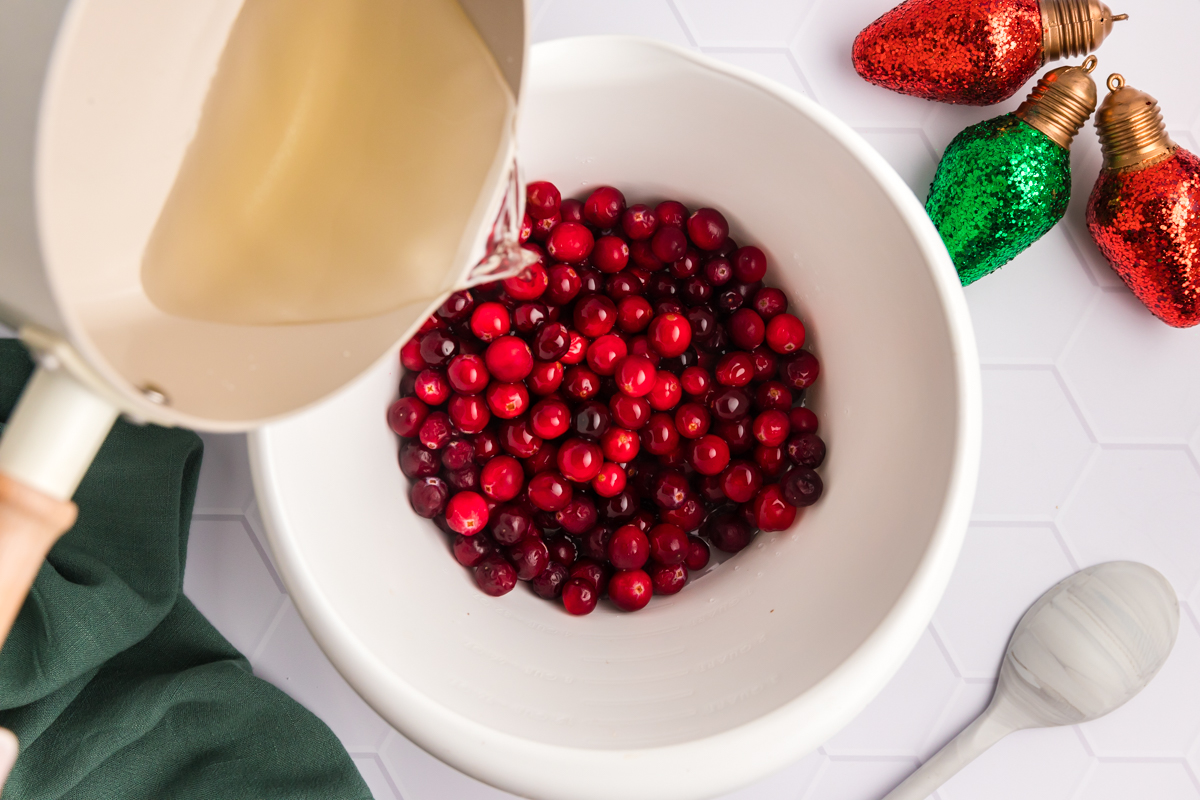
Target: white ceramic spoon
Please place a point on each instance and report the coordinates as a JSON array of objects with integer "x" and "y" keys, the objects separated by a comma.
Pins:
[{"x": 1082, "y": 650}]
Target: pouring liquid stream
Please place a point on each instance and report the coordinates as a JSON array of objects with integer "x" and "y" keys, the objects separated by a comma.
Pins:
[{"x": 341, "y": 151}]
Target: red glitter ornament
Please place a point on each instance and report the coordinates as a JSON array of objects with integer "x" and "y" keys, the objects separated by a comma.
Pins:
[
  {"x": 975, "y": 52},
  {"x": 1144, "y": 212}
]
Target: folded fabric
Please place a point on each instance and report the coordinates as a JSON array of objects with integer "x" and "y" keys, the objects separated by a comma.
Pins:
[{"x": 116, "y": 686}]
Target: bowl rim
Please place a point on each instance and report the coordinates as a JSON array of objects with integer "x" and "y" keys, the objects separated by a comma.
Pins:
[{"x": 700, "y": 767}]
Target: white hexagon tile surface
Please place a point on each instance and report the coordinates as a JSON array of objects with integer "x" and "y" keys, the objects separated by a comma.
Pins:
[{"x": 1091, "y": 453}]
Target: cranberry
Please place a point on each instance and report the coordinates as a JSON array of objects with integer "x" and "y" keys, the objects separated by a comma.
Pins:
[
  {"x": 747, "y": 329},
  {"x": 741, "y": 480},
  {"x": 620, "y": 506},
  {"x": 640, "y": 346},
  {"x": 669, "y": 244},
  {"x": 806, "y": 450},
  {"x": 666, "y": 392},
  {"x": 735, "y": 369},
  {"x": 526, "y": 229},
  {"x": 435, "y": 430},
  {"x": 542, "y": 199},
  {"x": 668, "y": 305},
  {"x": 579, "y": 596},
  {"x": 629, "y": 412},
  {"x": 581, "y": 383},
  {"x": 571, "y": 210},
  {"x": 635, "y": 375},
  {"x": 710, "y": 454},
  {"x": 771, "y": 427},
  {"x": 438, "y": 347},
  {"x": 707, "y": 228},
  {"x": 697, "y": 554},
  {"x": 624, "y": 285},
  {"x": 528, "y": 284},
  {"x": 487, "y": 445},
  {"x": 730, "y": 403},
  {"x": 530, "y": 557},
  {"x": 542, "y": 228},
  {"x": 458, "y": 453},
  {"x": 610, "y": 480},
  {"x": 591, "y": 420},
  {"x": 633, "y": 314},
  {"x": 563, "y": 283},
  {"x": 620, "y": 445},
  {"x": 577, "y": 350},
  {"x": 470, "y": 550},
  {"x": 695, "y": 381},
  {"x": 802, "y": 487},
  {"x": 417, "y": 462},
  {"x": 671, "y": 212},
  {"x": 668, "y": 544},
  {"x": 772, "y": 460},
  {"x": 668, "y": 580},
  {"x": 643, "y": 520},
  {"x": 432, "y": 323},
  {"x": 773, "y": 395},
  {"x": 528, "y": 317},
  {"x": 769, "y": 302},
  {"x": 507, "y": 400},
  {"x": 604, "y": 353},
  {"x": 610, "y": 254},
  {"x": 642, "y": 255},
  {"x": 545, "y": 378},
  {"x": 509, "y": 359},
  {"x": 562, "y": 550},
  {"x": 717, "y": 341},
  {"x": 629, "y": 548},
  {"x": 406, "y": 416},
  {"x": 518, "y": 439},
  {"x": 410, "y": 355},
  {"x": 696, "y": 291},
  {"x": 800, "y": 369},
  {"x": 595, "y": 544},
  {"x": 639, "y": 222},
  {"x": 550, "y": 418},
  {"x": 670, "y": 334},
  {"x": 465, "y": 479},
  {"x": 549, "y": 584},
  {"x": 803, "y": 420},
  {"x": 467, "y": 513},
  {"x": 736, "y": 432},
  {"x": 544, "y": 460},
  {"x": 749, "y": 264},
  {"x": 728, "y": 532},
  {"x": 510, "y": 524},
  {"x": 591, "y": 281},
  {"x": 718, "y": 271},
  {"x": 570, "y": 242},
  {"x": 502, "y": 478},
  {"x": 670, "y": 489},
  {"x": 469, "y": 413},
  {"x": 495, "y": 576},
  {"x": 604, "y": 207},
  {"x": 729, "y": 301},
  {"x": 687, "y": 266},
  {"x": 595, "y": 315},
  {"x": 692, "y": 420},
  {"x": 661, "y": 286},
  {"x": 688, "y": 516},
  {"x": 659, "y": 436},
  {"x": 785, "y": 333},
  {"x": 630, "y": 589},
  {"x": 467, "y": 374},
  {"x": 549, "y": 491},
  {"x": 428, "y": 496},
  {"x": 579, "y": 460},
  {"x": 457, "y": 307},
  {"x": 772, "y": 511},
  {"x": 551, "y": 342}
]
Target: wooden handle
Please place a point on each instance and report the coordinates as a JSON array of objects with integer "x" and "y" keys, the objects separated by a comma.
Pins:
[{"x": 30, "y": 524}]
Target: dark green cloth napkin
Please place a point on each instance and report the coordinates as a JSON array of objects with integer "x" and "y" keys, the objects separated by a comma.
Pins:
[{"x": 114, "y": 683}]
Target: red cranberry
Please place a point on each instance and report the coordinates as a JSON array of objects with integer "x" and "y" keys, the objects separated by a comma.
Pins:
[
  {"x": 438, "y": 347},
  {"x": 696, "y": 381},
  {"x": 487, "y": 445},
  {"x": 806, "y": 450},
  {"x": 549, "y": 491},
  {"x": 563, "y": 284},
  {"x": 529, "y": 284},
  {"x": 435, "y": 430},
  {"x": 803, "y": 420},
  {"x": 579, "y": 460},
  {"x": 594, "y": 544},
  {"x": 467, "y": 374},
  {"x": 591, "y": 420},
  {"x": 469, "y": 413},
  {"x": 772, "y": 460},
  {"x": 549, "y": 584},
  {"x": 620, "y": 445},
  {"x": 579, "y": 596},
  {"x": 772, "y": 512},
  {"x": 550, "y": 418},
  {"x": 544, "y": 460},
  {"x": 730, "y": 403},
  {"x": 749, "y": 264},
  {"x": 728, "y": 532},
  {"x": 692, "y": 420},
  {"x": 659, "y": 436},
  {"x": 518, "y": 439},
  {"x": 467, "y": 513},
  {"x": 718, "y": 271},
  {"x": 623, "y": 285},
  {"x": 470, "y": 550},
  {"x": 604, "y": 353},
  {"x": 428, "y": 496},
  {"x": 771, "y": 427},
  {"x": 736, "y": 432},
  {"x": 502, "y": 478},
  {"x": 610, "y": 254},
  {"x": 635, "y": 375},
  {"x": 551, "y": 342},
  {"x": 668, "y": 544},
  {"x": 406, "y": 416},
  {"x": 630, "y": 589},
  {"x": 507, "y": 400},
  {"x": 526, "y": 228},
  {"x": 457, "y": 307},
  {"x": 642, "y": 255},
  {"x": 670, "y": 334},
  {"x": 668, "y": 580},
  {"x": 639, "y": 222},
  {"x": 633, "y": 314},
  {"x": 604, "y": 207},
  {"x": 530, "y": 557},
  {"x": 671, "y": 212},
  {"x": 741, "y": 481},
  {"x": 542, "y": 199},
  {"x": 581, "y": 383},
  {"x": 570, "y": 242},
  {"x": 666, "y": 392},
  {"x": 670, "y": 490},
  {"x": 620, "y": 507},
  {"x": 643, "y": 520},
  {"x": 528, "y": 317},
  {"x": 717, "y": 341},
  {"x": 562, "y": 550},
  {"x": 735, "y": 369},
  {"x": 629, "y": 412},
  {"x": 668, "y": 305},
  {"x": 431, "y": 323},
  {"x": 696, "y": 291},
  {"x": 410, "y": 354},
  {"x": 688, "y": 516},
  {"x": 610, "y": 480},
  {"x": 729, "y": 301},
  {"x": 707, "y": 228},
  {"x": 802, "y": 487},
  {"x": 640, "y": 346},
  {"x": 785, "y": 333},
  {"x": 769, "y": 302},
  {"x": 495, "y": 576},
  {"x": 697, "y": 554},
  {"x": 773, "y": 395},
  {"x": 509, "y": 359},
  {"x": 661, "y": 286},
  {"x": 571, "y": 210},
  {"x": 595, "y": 315},
  {"x": 465, "y": 479},
  {"x": 687, "y": 266},
  {"x": 710, "y": 454},
  {"x": 458, "y": 453},
  {"x": 417, "y": 462},
  {"x": 669, "y": 244},
  {"x": 746, "y": 329},
  {"x": 510, "y": 524},
  {"x": 542, "y": 228},
  {"x": 577, "y": 350},
  {"x": 800, "y": 369},
  {"x": 545, "y": 378},
  {"x": 629, "y": 548}
]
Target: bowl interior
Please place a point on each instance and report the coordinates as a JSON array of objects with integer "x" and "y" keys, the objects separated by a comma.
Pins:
[{"x": 752, "y": 634}]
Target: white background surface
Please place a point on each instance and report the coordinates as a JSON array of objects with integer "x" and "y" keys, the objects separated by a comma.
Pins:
[{"x": 1091, "y": 453}]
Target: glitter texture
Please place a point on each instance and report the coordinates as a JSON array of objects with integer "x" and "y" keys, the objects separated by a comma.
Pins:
[
  {"x": 1146, "y": 221},
  {"x": 1000, "y": 186},
  {"x": 971, "y": 52}
]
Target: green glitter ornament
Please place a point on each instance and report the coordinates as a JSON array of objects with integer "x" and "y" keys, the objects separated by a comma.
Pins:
[{"x": 1002, "y": 184}]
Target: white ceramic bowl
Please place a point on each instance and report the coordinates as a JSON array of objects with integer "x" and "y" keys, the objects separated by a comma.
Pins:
[{"x": 762, "y": 658}]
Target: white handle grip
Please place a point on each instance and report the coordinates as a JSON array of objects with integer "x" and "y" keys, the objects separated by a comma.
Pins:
[{"x": 943, "y": 765}]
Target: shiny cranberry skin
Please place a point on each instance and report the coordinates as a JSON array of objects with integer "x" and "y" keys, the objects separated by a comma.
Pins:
[
  {"x": 639, "y": 222},
  {"x": 692, "y": 420},
  {"x": 671, "y": 212},
  {"x": 467, "y": 513},
  {"x": 642, "y": 255},
  {"x": 669, "y": 244},
  {"x": 629, "y": 548},
  {"x": 551, "y": 342},
  {"x": 659, "y": 436},
  {"x": 640, "y": 346},
  {"x": 507, "y": 400},
  {"x": 591, "y": 419},
  {"x": 707, "y": 228},
  {"x": 528, "y": 284},
  {"x": 666, "y": 392},
  {"x": 604, "y": 207},
  {"x": 502, "y": 478},
  {"x": 697, "y": 554},
  {"x": 735, "y": 369},
  {"x": 518, "y": 439},
  {"x": 611, "y": 254},
  {"x": 469, "y": 413},
  {"x": 736, "y": 433},
  {"x": 661, "y": 286},
  {"x": 562, "y": 550},
  {"x": 729, "y": 301},
  {"x": 571, "y": 210},
  {"x": 785, "y": 333},
  {"x": 528, "y": 317},
  {"x": 595, "y": 315},
  {"x": 577, "y": 350},
  {"x": 630, "y": 590},
  {"x": 417, "y": 462},
  {"x": 696, "y": 291},
  {"x": 644, "y": 520},
  {"x": 802, "y": 487},
  {"x": 799, "y": 370},
  {"x": 769, "y": 302},
  {"x": 579, "y": 596},
  {"x": 610, "y": 480},
  {"x": 508, "y": 359},
  {"x": 457, "y": 307},
  {"x": 510, "y": 524},
  {"x": 749, "y": 264},
  {"x": 718, "y": 271},
  {"x": 766, "y": 363},
  {"x": 633, "y": 314},
  {"x": 406, "y": 416},
  {"x": 728, "y": 532},
  {"x": 495, "y": 576},
  {"x": 526, "y": 229},
  {"x": 806, "y": 450},
  {"x": 545, "y": 378},
  {"x": 428, "y": 496},
  {"x": 771, "y": 427},
  {"x": 580, "y": 460},
  {"x": 668, "y": 544},
  {"x": 741, "y": 481},
  {"x": 542, "y": 199},
  {"x": 635, "y": 375},
  {"x": 530, "y": 557},
  {"x": 431, "y": 323},
  {"x": 470, "y": 550},
  {"x": 695, "y": 381},
  {"x": 671, "y": 489},
  {"x": 730, "y": 403},
  {"x": 464, "y": 479},
  {"x": 668, "y": 305},
  {"x": 549, "y": 491},
  {"x": 571, "y": 242},
  {"x": 710, "y": 454},
  {"x": 717, "y": 341},
  {"x": 747, "y": 329},
  {"x": 629, "y": 412},
  {"x": 438, "y": 347},
  {"x": 670, "y": 334},
  {"x": 668, "y": 580},
  {"x": 687, "y": 266},
  {"x": 545, "y": 459},
  {"x": 410, "y": 355},
  {"x": 457, "y": 453},
  {"x": 542, "y": 228},
  {"x": 620, "y": 445},
  {"x": 435, "y": 431},
  {"x": 688, "y": 516},
  {"x": 622, "y": 286},
  {"x": 619, "y": 507},
  {"x": 772, "y": 460},
  {"x": 604, "y": 353},
  {"x": 580, "y": 383},
  {"x": 549, "y": 583},
  {"x": 550, "y": 418},
  {"x": 803, "y": 420},
  {"x": 563, "y": 283},
  {"x": 486, "y": 444},
  {"x": 467, "y": 374},
  {"x": 772, "y": 512}
]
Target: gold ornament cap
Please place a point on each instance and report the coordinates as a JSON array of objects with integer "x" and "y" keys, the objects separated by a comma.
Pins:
[
  {"x": 1074, "y": 27},
  {"x": 1061, "y": 102},
  {"x": 1131, "y": 128}
]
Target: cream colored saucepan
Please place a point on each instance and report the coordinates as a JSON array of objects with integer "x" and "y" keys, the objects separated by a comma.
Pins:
[{"x": 99, "y": 100}]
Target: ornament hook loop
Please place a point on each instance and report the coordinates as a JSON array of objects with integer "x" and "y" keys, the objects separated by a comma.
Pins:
[
  {"x": 1090, "y": 63},
  {"x": 1116, "y": 81}
]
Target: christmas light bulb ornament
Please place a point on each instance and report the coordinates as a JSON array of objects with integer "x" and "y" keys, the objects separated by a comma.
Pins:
[
  {"x": 1144, "y": 212},
  {"x": 976, "y": 52},
  {"x": 1003, "y": 183}
]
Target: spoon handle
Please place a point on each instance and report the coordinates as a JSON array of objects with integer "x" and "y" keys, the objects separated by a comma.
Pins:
[{"x": 943, "y": 765}]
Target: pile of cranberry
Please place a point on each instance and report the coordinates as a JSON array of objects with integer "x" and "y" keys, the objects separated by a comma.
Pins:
[{"x": 575, "y": 426}]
